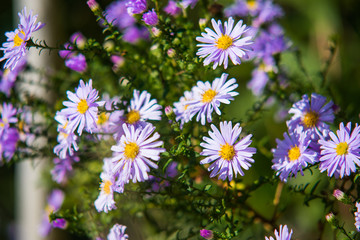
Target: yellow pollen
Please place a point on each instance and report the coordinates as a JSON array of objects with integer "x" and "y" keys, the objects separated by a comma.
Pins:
[
  {"x": 2, "y": 125},
  {"x": 65, "y": 135},
  {"x": 294, "y": 153},
  {"x": 227, "y": 151},
  {"x": 105, "y": 186},
  {"x": 82, "y": 106},
  {"x": 21, "y": 126},
  {"x": 342, "y": 148},
  {"x": 252, "y": 4},
  {"x": 186, "y": 106},
  {"x": 310, "y": 119},
  {"x": 103, "y": 118},
  {"x": 49, "y": 209},
  {"x": 131, "y": 150},
  {"x": 208, "y": 96},
  {"x": 224, "y": 42},
  {"x": 133, "y": 116},
  {"x": 17, "y": 40}
]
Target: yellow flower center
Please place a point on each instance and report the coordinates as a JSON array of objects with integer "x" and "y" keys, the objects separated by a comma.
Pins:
[
  {"x": 251, "y": 4},
  {"x": 310, "y": 119},
  {"x": 227, "y": 151},
  {"x": 294, "y": 153},
  {"x": 106, "y": 187},
  {"x": 208, "y": 96},
  {"x": 49, "y": 209},
  {"x": 342, "y": 148},
  {"x": 133, "y": 116},
  {"x": 131, "y": 150},
  {"x": 17, "y": 40},
  {"x": 82, "y": 106},
  {"x": 103, "y": 118},
  {"x": 224, "y": 42}
]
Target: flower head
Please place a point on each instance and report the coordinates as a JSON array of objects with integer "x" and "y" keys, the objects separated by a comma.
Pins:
[
  {"x": 172, "y": 8},
  {"x": 312, "y": 115},
  {"x": 150, "y": 18},
  {"x": 66, "y": 138},
  {"x": 136, "y": 6},
  {"x": 357, "y": 217},
  {"x": 63, "y": 168},
  {"x": 228, "y": 155},
  {"x": 207, "y": 234},
  {"x": 182, "y": 108},
  {"x": 340, "y": 155},
  {"x": 117, "y": 14},
  {"x": 283, "y": 234},
  {"x": 8, "y": 144},
  {"x": 77, "y": 63},
  {"x": 8, "y": 115},
  {"x": 207, "y": 97},
  {"x": 8, "y": 77},
  {"x": 292, "y": 155},
  {"x": 135, "y": 152},
  {"x": 82, "y": 109},
  {"x": 117, "y": 232},
  {"x": 15, "y": 47},
  {"x": 225, "y": 42}
]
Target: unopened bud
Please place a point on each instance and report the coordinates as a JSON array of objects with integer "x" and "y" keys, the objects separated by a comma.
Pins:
[
  {"x": 171, "y": 52},
  {"x": 207, "y": 234},
  {"x": 330, "y": 218},
  {"x": 202, "y": 23},
  {"x": 339, "y": 194},
  {"x": 93, "y": 5},
  {"x": 155, "y": 31}
]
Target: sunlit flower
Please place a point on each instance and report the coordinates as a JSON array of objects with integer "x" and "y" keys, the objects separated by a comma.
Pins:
[
  {"x": 340, "y": 155},
  {"x": 283, "y": 234},
  {"x": 208, "y": 97},
  {"x": 292, "y": 155},
  {"x": 312, "y": 114},
  {"x": 135, "y": 152},
  {"x": 228, "y": 155},
  {"x": 105, "y": 201},
  {"x": 182, "y": 108},
  {"x": 82, "y": 109},
  {"x": 225, "y": 42},
  {"x": 117, "y": 232},
  {"x": 15, "y": 47}
]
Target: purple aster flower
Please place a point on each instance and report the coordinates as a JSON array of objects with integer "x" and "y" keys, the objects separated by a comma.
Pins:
[
  {"x": 259, "y": 80},
  {"x": 267, "y": 13},
  {"x": 207, "y": 234},
  {"x": 357, "y": 217},
  {"x": 93, "y": 5},
  {"x": 207, "y": 97},
  {"x": 227, "y": 155},
  {"x": 134, "y": 34},
  {"x": 172, "y": 8},
  {"x": 8, "y": 144},
  {"x": 117, "y": 232},
  {"x": 55, "y": 200},
  {"x": 63, "y": 168},
  {"x": 242, "y": 8},
  {"x": 283, "y": 234},
  {"x": 8, "y": 77},
  {"x": 15, "y": 47},
  {"x": 340, "y": 155},
  {"x": 82, "y": 109},
  {"x": 105, "y": 201},
  {"x": 67, "y": 52},
  {"x": 293, "y": 154},
  {"x": 312, "y": 115},
  {"x": 225, "y": 42},
  {"x": 158, "y": 183},
  {"x": 134, "y": 152},
  {"x": 77, "y": 63},
  {"x": 186, "y": 3},
  {"x": 116, "y": 13},
  {"x": 150, "y": 18},
  {"x": 136, "y": 6},
  {"x": 66, "y": 138},
  {"x": 8, "y": 115},
  {"x": 182, "y": 108}
]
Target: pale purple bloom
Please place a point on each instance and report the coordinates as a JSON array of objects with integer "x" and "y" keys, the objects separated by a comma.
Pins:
[
  {"x": 207, "y": 234},
  {"x": 150, "y": 18},
  {"x": 228, "y": 154},
  {"x": 8, "y": 115},
  {"x": 357, "y": 217},
  {"x": 312, "y": 115},
  {"x": 66, "y": 138},
  {"x": 67, "y": 52},
  {"x": 63, "y": 168},
  {"x": 226, "y": 42},
  {"x": 187, "y": 3},
  {"x": 268, "y": 12},
  {"x": 77, "y": 63},
  {"x": 340, "y": 155},
  {"x": 8, "y": 77},
  {"x": 117, "y": 232},
  {"x": 118, "y": 61},
  {"x": 136, "y": 6},
  {"x": 116, "y": 13},
  {"x": 82, "y": 109},
  {"x": 105, "y": 201},
  {"x": 292, "y": 155},
  {"x": 283, "y": 234},
  {"x": 340, "y": 195},
  {"x": 208, "y": 97},
  {"x": 55, "y": 200},
  {"x": 8, "y": 144},
  {"x": 182, "y": 108},
  {"x": 172, "y": 8},
  {"x": 134, "y": 34},
  {"x": 135, "y": 152},
  {"x": 258, "y": 81},
  {"x": 15, "y": 47}
]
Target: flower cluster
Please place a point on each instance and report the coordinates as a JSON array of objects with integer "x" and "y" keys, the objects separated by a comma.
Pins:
[
  {"x": 74, "y": 61},
  {"x": 9, "y": 135}
]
